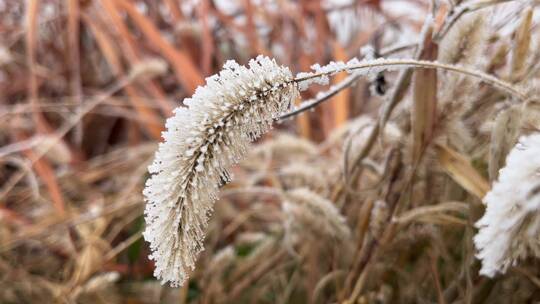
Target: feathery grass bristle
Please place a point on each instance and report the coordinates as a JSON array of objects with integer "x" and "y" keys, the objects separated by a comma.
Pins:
[
  {"x": 201, "y": 143},
  {"x": 510, "y": 229}
]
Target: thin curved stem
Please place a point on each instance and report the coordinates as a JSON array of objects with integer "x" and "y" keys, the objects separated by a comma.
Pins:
[
  {"x": 405, "y": 63},
  {"x": 487, "y": 78},
  {"x": 311, "y": 103}
]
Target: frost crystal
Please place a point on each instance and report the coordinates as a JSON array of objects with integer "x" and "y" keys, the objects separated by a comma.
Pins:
[
  {"x": 510, "y": 228},
  {"x": 321, "y": 74},
  {"x": 368, "y": 52},
  {"x": 201, "y": 142}
]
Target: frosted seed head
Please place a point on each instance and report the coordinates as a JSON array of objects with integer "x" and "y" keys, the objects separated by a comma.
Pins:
[
  {"x": 183, "y": 186},
  {"x": 509, "y": 229}
]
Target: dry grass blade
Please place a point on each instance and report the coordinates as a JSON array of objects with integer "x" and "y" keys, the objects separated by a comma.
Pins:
[
  {"x": 105, "y": 44},
  {"x": 45, "y": 171},
  {"x": 424, "y": 110},
  {"x": 462, "y": 172},
  {"x": 32, "y": 13},
  {"x": 174, "y": 7},
  {"x": 425, "y": 213},
  {"x": 186, "y": 71},
  {"x": 521, "y": 45},
  {"x": 107, "y": 47},
  {"x": 208, "y": 49},
  {"x": 256, "y": 273},
  {"x": 341, "y": 102},
  {"x": 74, "y": 61}
]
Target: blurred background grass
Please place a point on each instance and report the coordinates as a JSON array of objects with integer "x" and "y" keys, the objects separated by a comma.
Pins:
[
  {"x": 70, "y": 202},
  {"x": 85, "y": 87}
]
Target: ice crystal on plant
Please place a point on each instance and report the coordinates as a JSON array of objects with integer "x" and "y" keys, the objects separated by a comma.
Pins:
[
  {"x": 510, "y": 228},
  {"x": 200, "y": 144},
  {"x": 323, "y": 73}
]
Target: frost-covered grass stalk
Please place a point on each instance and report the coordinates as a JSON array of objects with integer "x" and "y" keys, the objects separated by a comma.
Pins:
[
  {"x": 205, "y": 138},
  {"x": 510, "y": 228},
  {"x": 200, "y": 144}
]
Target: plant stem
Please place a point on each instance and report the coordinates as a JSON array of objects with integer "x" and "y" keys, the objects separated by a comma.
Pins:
[
  {"x": 400, "y": 63},
  {"x": 309, "y": 104}
]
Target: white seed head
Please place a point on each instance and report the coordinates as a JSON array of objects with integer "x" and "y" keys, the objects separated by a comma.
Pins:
[
  {"x": 200, "y": 144},
  {"x": 510, "y": 228}
]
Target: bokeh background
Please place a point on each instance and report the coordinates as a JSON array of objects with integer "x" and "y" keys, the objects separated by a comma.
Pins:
[{"x": 85, "y": 88}]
